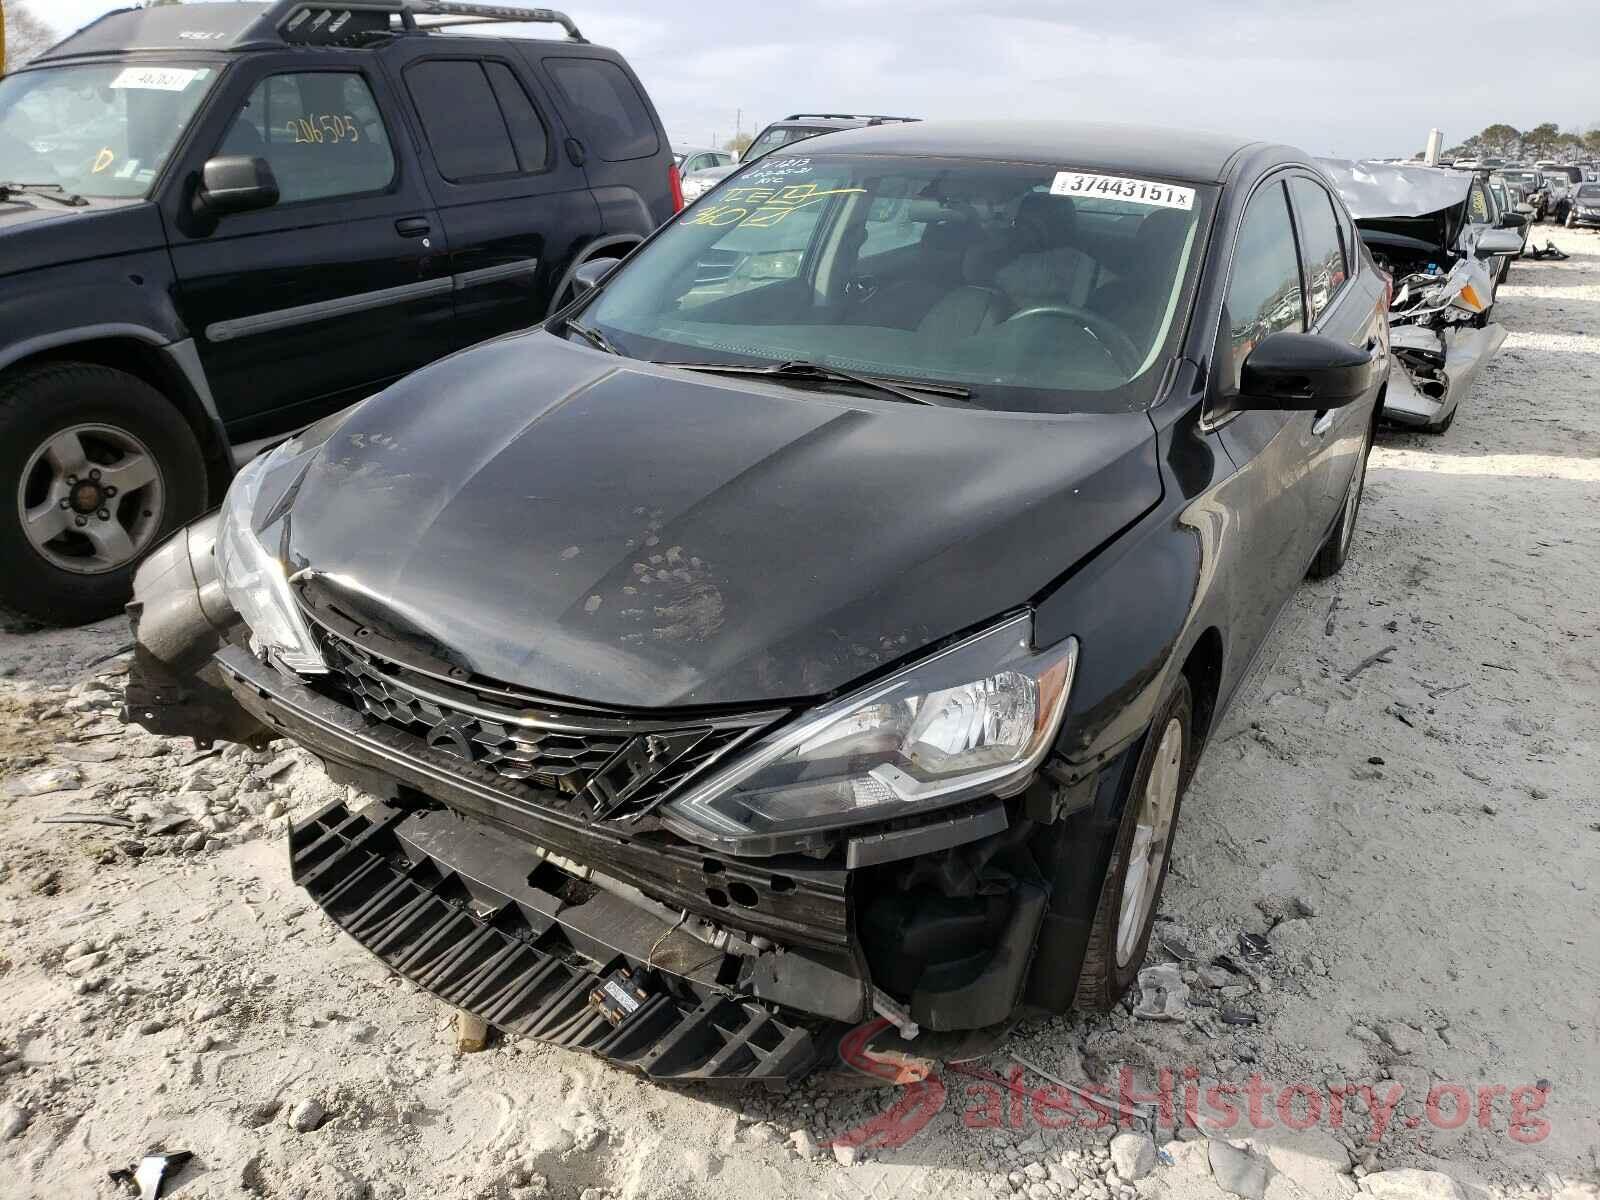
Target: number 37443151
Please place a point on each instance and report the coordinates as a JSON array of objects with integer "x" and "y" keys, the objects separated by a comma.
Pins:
[
  {"x": 323, "y": 129},
  {"x": 1119, "y": 187}
]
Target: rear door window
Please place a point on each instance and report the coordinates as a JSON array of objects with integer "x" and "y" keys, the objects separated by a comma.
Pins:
[
  {"x": 1321, "y": 248},
  {"x": 613, "y": 115},
  {"x": 529, "y": 137},
  {"x": 462, "y": 119},
  {"x": 1264, "y": 294}
]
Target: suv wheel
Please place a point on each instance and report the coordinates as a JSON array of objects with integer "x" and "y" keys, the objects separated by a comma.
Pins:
[
  {"x": 1120, "y": 931},
  {"x": 96, "y": 467}
]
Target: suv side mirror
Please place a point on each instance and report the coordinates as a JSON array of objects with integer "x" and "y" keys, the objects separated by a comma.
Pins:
[
  {"x": 1304, "y": 372},
  {"x": 1496, "y": 241},
  {"x": 1513, "y": 220},
  {"x": 591, "y": 275},
  {"x": 237, "y": 183}
]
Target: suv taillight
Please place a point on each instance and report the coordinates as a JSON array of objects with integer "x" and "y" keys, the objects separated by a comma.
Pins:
[{"x": 675, "y": 186}]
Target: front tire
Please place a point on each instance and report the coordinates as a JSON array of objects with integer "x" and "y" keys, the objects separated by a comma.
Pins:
[
  {"x": 96, "y": 468},
  {"x": 1131, "y": 892},
  {"x": 1331, "y": 558}
]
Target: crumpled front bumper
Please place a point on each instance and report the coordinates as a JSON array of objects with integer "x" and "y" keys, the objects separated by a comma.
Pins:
[{"x": 454, "y": 910}]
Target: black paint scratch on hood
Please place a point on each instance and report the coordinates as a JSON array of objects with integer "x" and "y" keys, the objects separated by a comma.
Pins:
[{"x": 604, "y": 530}]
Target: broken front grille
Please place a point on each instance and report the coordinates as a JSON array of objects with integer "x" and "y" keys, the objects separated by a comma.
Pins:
[{"x": 620, "y": 766}]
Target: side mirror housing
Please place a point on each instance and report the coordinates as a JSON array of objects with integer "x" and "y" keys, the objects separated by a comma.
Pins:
[
  {"x": 236, "y": 183},
  {"x": 1513, "y": 220},
  {"x": 1496, "y": 241},
  {"x": 1305, "y": 372},
  {"x": 591, "y": 275}
]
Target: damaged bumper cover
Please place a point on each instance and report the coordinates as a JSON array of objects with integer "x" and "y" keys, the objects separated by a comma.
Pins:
[
  {"x": 1434, "y": 371},
  {"x": 486, "y": 939}
]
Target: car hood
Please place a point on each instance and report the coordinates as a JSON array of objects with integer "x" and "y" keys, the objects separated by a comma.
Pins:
[
  {"x": 599, "y": 529},
  {"x": 37, "y": 232}
]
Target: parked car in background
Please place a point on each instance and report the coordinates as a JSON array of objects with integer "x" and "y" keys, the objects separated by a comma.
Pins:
[
  {"x": 1585, "y": 206},
  {"x": 794, "y": 128},
  {"x": 1558, "y": 187},
  {"x": 219, "y": 222},
  {"x": 691, "y": 159},
  {"x": 1530, "y": 184},
  {"x": 1440, "y": 237},
  {"x": 870, "y": 620}
]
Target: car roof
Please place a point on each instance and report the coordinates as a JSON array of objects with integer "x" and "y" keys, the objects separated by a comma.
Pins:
[
  {"x": 1131, "y": 149},
  {"x": 239, "y": 25}
]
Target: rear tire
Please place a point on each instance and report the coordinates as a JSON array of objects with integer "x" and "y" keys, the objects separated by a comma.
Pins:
[
  {"x": 1120, "y": 931},
  {"x": 96, "y": 468}
]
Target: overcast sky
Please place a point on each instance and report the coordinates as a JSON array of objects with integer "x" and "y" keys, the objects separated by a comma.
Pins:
[{"x": 1351, "y": 78}]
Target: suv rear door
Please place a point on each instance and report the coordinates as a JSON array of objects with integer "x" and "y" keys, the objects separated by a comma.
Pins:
[
  {"x": 341, "y": 286},
  {"x": 616, "y": 134},
  {"x": 515, "y": 206}
]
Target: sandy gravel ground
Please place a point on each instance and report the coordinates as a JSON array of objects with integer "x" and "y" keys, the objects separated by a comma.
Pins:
[{"x": 1417, "y": 846}]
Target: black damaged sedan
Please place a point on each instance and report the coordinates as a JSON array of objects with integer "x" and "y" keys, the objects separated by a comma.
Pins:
[{"x": 819, "y": 621}]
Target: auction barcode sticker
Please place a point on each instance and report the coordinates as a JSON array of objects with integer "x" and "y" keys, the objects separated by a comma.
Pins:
[
  {"x": 1117, "y": 187},
  {"x": 156, "y": 79}
]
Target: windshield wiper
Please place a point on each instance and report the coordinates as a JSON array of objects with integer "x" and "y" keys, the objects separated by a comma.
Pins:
[
  {"x": 902, "y": 389},
  {"x": 591, "y": 335},
  {"x": 45, "y": 191}
]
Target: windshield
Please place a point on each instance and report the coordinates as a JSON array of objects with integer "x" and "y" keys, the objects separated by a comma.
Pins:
[
  {"x": 97, "y": 130},
  {"x": 772, "y": 138},
  {"x": 1589, "y": 191},
  {"x": 1039, "y": 288},
  {"x": 1520, "y": 178}
]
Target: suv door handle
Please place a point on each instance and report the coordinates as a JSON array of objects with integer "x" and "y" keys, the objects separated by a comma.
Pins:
[{"x": 412, "y": 227}]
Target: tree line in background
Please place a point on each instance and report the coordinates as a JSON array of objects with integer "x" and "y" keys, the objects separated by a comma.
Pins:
[
  {"x": 24, "y": 36},
  {"x": 1542, "y": 141}
]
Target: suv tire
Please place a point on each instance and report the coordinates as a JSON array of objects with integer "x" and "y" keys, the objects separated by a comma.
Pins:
[
  {"x": 106, "y": 467},
  {"x": 1120, "y": 930}
]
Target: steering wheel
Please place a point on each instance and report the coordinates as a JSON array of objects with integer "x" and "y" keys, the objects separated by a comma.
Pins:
[{"x": 1108, "y": 333}]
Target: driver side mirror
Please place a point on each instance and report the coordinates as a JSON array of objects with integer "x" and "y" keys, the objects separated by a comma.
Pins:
[
  {"x": 1496, "y": 241},
  {"x": 591, "y": 275},
  {"x": 236, "y": 183},
  {"x": 1305, "y": 372},
  {"x": 1513, "y": 220}
]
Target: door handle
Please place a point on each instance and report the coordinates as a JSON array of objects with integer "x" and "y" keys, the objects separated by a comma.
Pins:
[
  {"x": 412, "y": 227},
  {"x": 1322, "y": 424}
]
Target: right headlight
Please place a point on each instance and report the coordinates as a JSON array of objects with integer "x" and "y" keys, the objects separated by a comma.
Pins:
[
  {"x": 254, "y": 579},
  {"x": 974, "y": 719}
]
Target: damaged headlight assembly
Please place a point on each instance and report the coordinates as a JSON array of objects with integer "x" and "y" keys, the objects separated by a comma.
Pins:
[
  {"x": 974, "y": 719},
  {"x": 253, "y": 576}
]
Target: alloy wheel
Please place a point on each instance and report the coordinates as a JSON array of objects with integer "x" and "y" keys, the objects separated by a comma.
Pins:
[
  {"x": 91, "y": 499},
  {"x": 1158, "y": 804}
]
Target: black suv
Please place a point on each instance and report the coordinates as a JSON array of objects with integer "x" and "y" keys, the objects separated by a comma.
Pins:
[{"x": 220, "y": 222}]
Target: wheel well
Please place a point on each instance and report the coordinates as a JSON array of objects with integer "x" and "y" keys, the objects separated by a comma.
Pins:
[
  {"x": 618, "y": 246},
  {"x": 1203, "y": 670},
  {"x": 148, "y": 363}
]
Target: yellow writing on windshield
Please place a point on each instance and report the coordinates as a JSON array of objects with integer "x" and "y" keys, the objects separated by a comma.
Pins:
[{"x": 760, "y": 207}]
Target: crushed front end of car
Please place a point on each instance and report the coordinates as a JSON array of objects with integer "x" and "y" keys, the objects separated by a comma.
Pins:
[
  {"x": 689, "y": 886},
  {"x": 1415, "y": 220}
]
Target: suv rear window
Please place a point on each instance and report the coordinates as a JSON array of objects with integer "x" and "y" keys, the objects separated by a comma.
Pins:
[
  {"x": 462, "y": 119},
  {"x": 616, "y": 121}
]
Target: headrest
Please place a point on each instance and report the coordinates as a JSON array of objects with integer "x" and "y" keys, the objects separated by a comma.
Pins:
[{"x": 1044, "y": 221}]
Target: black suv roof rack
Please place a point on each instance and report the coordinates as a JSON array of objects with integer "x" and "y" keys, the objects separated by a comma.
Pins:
[
  {"x": 869, "y": 118},
  {"x": 326, "y": 24}
]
